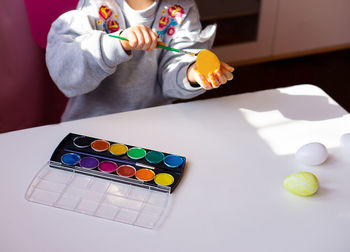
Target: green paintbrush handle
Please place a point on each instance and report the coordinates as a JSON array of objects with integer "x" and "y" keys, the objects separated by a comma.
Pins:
[
  {"x": 118, "y": 37},
  {"x": 158, "y": 46},
  {"x": 168, "y": 48}
]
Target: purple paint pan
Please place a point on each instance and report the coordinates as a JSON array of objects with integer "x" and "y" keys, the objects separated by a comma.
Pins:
[{"x": 89, "y": 162}]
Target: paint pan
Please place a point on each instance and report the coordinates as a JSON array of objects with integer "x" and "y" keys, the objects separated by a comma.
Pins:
[
  {"x": 145, "y": 175},
  {"x": 89, "y": 163},
  {"x": 100, "y": 145},
  {"x": 126, "y": 171},
  {"x": 154, "y": 157},
  {"x": 70, "y": 159},
  {"x": 118, "y": 149},
  {"x": 163, "y": 179},
  {"x": 82, "y": 142},
  {"x": 136, "y": 153},
  {"x": 173, "y": 161},
  {"x": 107, "y": 166}
]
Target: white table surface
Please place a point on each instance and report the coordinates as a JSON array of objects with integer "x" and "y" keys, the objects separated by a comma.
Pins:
[{"x": 239, "y": 150}]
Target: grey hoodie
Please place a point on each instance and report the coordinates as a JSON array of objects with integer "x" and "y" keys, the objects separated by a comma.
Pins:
[{"x": 99, "y": 77}]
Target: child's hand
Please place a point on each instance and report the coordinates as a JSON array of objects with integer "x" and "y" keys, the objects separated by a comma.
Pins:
[
  {"x": 214, "y": 80},
  {"x": 140, "y": 37}
]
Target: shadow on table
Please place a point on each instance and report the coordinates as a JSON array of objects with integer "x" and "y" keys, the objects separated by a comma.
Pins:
[{"x": 304, "y": 107}]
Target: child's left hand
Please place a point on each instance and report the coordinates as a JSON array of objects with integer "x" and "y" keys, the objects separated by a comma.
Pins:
[{"x": 214, "y": 80}]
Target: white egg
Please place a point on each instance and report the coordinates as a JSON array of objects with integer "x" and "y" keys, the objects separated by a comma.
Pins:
[
  {"x": 345, "y": 142},
  {"x": 312, "y": 154}
]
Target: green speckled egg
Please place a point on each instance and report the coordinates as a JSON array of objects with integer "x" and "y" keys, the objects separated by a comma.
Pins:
[{"x": 301, "y": 183}]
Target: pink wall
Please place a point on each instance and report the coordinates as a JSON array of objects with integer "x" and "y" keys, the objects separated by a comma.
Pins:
[{"x": 28, "y": 97}]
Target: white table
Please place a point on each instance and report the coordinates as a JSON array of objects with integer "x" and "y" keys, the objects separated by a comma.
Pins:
[{"x": 239, "y": 150}]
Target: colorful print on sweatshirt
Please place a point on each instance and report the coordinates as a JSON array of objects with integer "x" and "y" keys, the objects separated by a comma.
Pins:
[
  {"x": 171, "y": 18},
  {"x": 108, "y": 20}
]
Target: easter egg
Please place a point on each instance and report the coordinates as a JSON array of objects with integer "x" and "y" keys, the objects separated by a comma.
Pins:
[
  {"x": 312, "y": 154},
  {"x": 301, "y": 183},
  {"x": 207, "y": 62}
]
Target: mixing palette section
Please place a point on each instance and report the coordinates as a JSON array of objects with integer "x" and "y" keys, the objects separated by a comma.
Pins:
[{"x": 119, "y": 162}]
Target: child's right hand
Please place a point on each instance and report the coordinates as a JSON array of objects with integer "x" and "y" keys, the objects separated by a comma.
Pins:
[{"x": 140, "y": 37}]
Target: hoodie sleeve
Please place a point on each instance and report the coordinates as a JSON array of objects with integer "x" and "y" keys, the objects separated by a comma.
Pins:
[
  {"x": 79, "y": 56},
  {"x": 188, "y": 35}
]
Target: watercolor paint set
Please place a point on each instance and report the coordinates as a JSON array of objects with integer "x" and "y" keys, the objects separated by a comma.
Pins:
[
  {"x": 108, "y": 179},
  {"x": 120, "y": 162}
]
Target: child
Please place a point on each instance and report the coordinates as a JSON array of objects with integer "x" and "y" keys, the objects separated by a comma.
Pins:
[{"x": 102, "y": 75}]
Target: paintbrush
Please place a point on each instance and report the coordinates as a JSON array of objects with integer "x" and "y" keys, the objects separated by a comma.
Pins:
[{"x": 161, "y": 46}]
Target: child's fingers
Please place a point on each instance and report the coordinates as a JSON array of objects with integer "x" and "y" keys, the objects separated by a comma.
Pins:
[
  {"x": 140, "y": 39},
  {"x": 204, "y": 82},
  {"x": 132, "y": 39},
  {"x": 226, "y": 67},
  {"x": 213, "y": 80},
  {"x": 226, "y": 70},
  {"x": 220, "y": 77},
  {"x": 154, "y": 41},
  {"x": 201, "y": 80},
  {"x": 148, "y": 39},
  {"x": 228, "y": 75}
]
